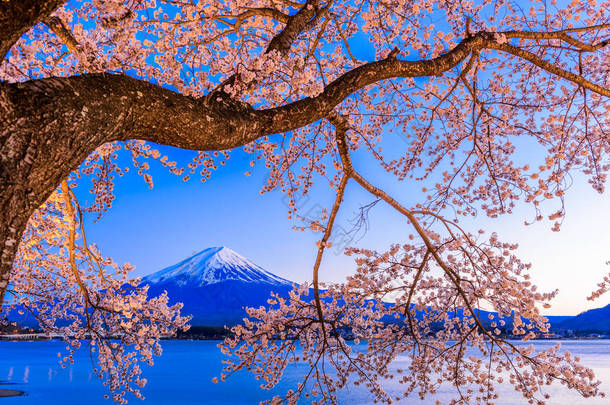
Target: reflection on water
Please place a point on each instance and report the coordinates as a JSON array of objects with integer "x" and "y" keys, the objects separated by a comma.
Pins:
[{"x": 183, "y": 376}]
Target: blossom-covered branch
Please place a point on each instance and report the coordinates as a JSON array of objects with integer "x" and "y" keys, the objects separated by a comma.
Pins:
[{"x": 458, "y": 90}]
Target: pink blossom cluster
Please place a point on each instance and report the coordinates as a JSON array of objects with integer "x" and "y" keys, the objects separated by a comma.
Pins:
[{"x": 509, "y": 123}]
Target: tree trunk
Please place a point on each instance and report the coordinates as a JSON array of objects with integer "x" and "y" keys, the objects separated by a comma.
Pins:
[
  {"x": 13, "y": 218},
  {"x": 18, "y": 199},
  {"x": 17, "y": 16}
]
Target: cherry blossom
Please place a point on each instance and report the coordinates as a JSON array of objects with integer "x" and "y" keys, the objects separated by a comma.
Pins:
[{"x": 472, "y": 108}]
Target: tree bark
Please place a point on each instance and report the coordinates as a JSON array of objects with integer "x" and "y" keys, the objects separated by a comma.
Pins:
[
  {"x": 12, "y": 224},
  {"x": 18, "y": 16},
  {"x": 18, "y": 197}
]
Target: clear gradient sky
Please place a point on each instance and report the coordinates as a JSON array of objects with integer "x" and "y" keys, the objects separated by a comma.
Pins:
[{"x": 156, "y": 228}]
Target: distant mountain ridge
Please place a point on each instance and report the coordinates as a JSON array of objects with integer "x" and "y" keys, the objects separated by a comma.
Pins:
[
  {"x": 592, "y": 320},
  {"x": 217, "y": 284}
]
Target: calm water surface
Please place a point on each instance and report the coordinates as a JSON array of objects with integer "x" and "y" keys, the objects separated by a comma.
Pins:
[{"x": 183, "y": 376}]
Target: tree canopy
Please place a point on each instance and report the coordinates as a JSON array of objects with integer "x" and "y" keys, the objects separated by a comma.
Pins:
[{"x": 498, "y": 104}]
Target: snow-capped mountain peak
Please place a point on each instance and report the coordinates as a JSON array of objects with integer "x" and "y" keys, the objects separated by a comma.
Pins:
[{"x": 214, "y": 265}]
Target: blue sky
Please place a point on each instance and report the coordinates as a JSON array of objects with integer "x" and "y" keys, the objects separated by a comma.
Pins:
[{"x": 156, "y": 228}]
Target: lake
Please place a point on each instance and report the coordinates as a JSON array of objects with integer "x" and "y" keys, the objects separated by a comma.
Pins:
[{"x": 183, "y": 376}]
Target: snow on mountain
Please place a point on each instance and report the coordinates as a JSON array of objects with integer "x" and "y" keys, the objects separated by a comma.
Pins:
[
  {"x": 216, "y": 285},
  {"x": 214, "y": 265}
]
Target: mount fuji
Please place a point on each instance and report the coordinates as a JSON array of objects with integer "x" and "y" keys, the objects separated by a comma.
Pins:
[{"x": 215, "y": 285}]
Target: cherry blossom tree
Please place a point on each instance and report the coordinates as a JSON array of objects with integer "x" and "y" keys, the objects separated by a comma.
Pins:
[{"x": 497, "y": 104}]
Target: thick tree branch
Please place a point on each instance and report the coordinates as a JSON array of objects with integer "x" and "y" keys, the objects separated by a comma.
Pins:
[
  {"x": 296, "y": 24},
  {"x": 58, "y": 27},
  {"x": 72, "y": 113},
  {"x": 18, "y": 16},
  {"x": 67, "y": 118}
]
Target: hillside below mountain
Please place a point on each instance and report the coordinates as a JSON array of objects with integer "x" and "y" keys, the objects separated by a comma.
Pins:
[{"x": 593, "y": 320}]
